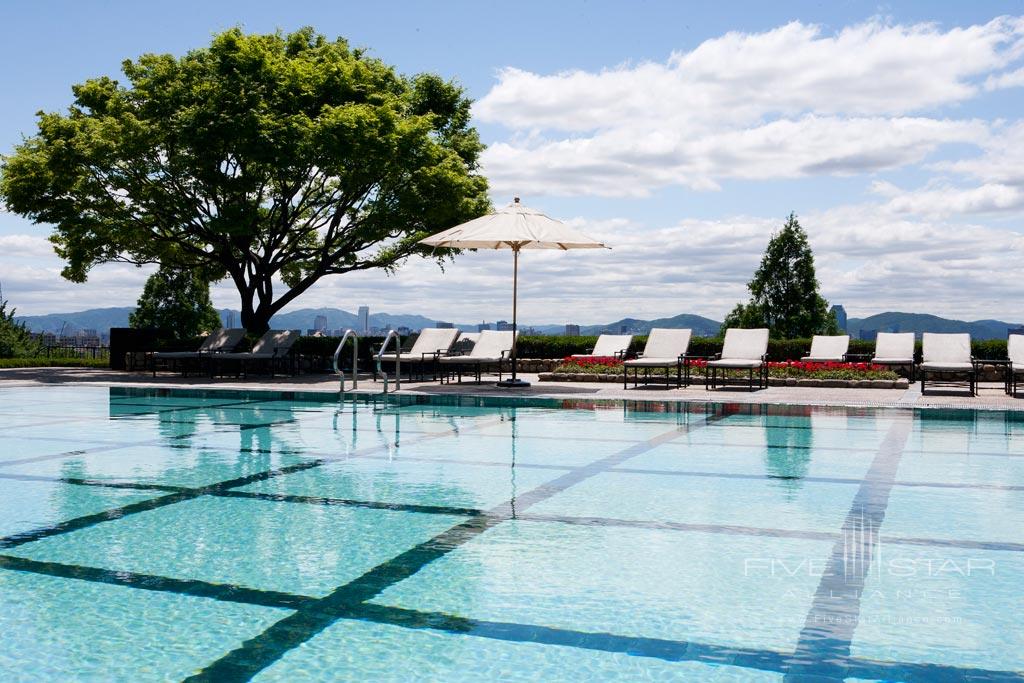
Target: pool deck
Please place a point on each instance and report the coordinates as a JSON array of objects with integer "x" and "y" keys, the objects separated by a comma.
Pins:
[{"x": 990, "y": 395}]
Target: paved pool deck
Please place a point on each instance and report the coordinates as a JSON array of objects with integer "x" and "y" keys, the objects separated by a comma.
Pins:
[{"x": 990, "y": 395}]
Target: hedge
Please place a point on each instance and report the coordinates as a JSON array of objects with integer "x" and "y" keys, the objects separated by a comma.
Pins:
[
  {"x": 43, "y": 362},
  {"x": 778, "y": 349},
  {"x": 549, "y": 346}
]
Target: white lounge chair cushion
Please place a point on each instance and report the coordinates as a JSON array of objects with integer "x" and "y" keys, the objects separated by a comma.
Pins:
[
  {"x": 219, "y": 340},
  {"x": 894, "y": 345},
  {"x": 646, "y": 362},
  {"x": 667, "y": 343},
  {"x": 608, "y": 345},
  {"x": 735, "y": 363},
  {"x": 469, "y": 336},
  {"x": 1015, "y": 349},
  {"x": 432, "y": 340},
  {"x": 893, "y": 361},
  {"x": 815, "y": 359},
  {"x": 829, "y": 347},
  {"x": 491, "y": 345},
  {"x": 272, "y": 343},
  {"x": 745, "y": 344},
  {"x": 949, "y": 367},
  {"x": 945, "y": 349}
]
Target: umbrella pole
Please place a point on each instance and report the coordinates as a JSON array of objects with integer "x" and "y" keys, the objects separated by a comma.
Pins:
[{"x": 514, "y": 381}]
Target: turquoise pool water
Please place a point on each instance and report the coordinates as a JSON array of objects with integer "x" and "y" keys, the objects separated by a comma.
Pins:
[{"x": 229, "y": 537}]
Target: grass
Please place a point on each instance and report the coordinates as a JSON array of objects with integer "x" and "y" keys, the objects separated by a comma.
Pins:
[{"x": 54, "y": 363}]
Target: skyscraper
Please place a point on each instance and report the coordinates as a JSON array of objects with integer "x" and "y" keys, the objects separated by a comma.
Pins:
[
  {"x": 840, "y": 314},
  {"x": 320, "y": 323},
  {"x": 503, "y": 326},
  {"x": 364, "y": 320},
  {"x": 572, "y": 330}
]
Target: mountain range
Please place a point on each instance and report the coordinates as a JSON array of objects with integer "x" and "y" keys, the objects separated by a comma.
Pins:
[{"x": 102, "y": 319}]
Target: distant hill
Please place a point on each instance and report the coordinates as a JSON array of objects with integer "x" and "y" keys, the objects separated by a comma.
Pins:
[
  {"x": 921, "y": 322},
  {"x": 701, "y": 326},
  {"x": 100, "y": 319}
]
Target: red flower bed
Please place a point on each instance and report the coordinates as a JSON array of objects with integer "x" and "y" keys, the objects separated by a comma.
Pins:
[{"x": 593, "y": 362}]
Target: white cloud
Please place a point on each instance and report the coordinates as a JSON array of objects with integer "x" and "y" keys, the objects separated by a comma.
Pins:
[
  {"x": 1009, "y": 79},
  {"x": 627, "y": 162},
  {"x": 25, "y": 246},
  {"x": 788, "y": 102},
  {"x": 870, "y": 68}
]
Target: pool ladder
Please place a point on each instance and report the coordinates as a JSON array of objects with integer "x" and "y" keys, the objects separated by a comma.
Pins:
[
  {"x": 355, "y": 359},
  {"x": 392, "y": 335}
]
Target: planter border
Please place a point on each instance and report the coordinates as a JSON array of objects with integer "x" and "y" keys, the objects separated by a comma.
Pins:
[{"x": 901, "y": 383}]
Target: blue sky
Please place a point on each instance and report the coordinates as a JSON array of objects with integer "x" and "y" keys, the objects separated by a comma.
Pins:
[{"x": 681, "y": 133}]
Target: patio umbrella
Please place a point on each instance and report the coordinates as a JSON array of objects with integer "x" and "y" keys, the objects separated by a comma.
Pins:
[{"x": 514, "y": 227}]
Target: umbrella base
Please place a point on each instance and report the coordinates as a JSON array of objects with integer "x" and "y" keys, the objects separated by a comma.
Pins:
[{"x": 513, "y": 383}]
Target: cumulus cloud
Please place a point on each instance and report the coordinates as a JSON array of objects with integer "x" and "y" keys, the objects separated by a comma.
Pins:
[
  {"x": 625, "y": 161},
  {"x": 783, "y": 103}
]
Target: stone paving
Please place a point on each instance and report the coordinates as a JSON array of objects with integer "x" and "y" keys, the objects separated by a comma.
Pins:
[{"x": 990, "y": 395}]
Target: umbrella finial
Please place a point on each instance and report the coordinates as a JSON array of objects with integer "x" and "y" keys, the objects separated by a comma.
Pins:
[{"x": 515, "y": 200}]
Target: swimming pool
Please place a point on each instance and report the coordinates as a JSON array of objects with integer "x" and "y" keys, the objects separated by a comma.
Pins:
[{"x": 248, "y": 536}]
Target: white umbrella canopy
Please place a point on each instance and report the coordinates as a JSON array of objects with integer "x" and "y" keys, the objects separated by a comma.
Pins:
[{"x": 514, "y": 227}]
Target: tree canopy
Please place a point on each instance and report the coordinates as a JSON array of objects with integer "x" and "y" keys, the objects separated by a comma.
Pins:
[
  {"x": 15, "y": 339},
  {"x": 176, "y": 302},
  {"x": 784, "y": 291},
  {"x": 264, "y": 159}
]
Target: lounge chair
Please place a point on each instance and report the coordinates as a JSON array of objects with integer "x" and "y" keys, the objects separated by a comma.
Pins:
[
  {"x": 665, "y": 348},
  {"x": 742, "y": 350},
  {"x": 493, "y": 348},
  {"x": 948, "y": 354},
  {"x": 270, "y": 350},
  {"x": 431, "y": 344},
  {"x": 895, "y": 349},
  {"x": 1015, "y": 361},
  {"x": 828, "y": 349},
  {"x": 609, "y": 346},
  {"x": 220, "y": 341}
]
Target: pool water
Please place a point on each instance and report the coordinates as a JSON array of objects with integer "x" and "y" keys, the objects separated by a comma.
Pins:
[{"x": 251, "y": 536}]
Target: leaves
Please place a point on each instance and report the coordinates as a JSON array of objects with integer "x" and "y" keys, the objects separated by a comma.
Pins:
[
  {"x": 259, "y": 157},
  {"x": 784, "y": 290}
]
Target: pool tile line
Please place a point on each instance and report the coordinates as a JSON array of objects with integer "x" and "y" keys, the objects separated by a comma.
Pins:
[
  {"x": 668, "y": 650},
  {"x": 827, "y": 636},
  {"x": 178, "y": 496},
  {"x": 259, "y": 652},
  {"x": 162, "y": 584},
  {"x": 768, "y": 532},
  {"x": 86, "y": 521}
]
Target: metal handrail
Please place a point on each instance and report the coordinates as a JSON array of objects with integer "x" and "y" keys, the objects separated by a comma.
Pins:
[
  {"x": 355, "y": 359},
  {"x": 398, "y": 360}
]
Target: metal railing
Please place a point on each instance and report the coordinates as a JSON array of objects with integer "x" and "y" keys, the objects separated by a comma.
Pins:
[
  {"x": 76, "y": 351},
  {"x": 355, "y": 359},
  {"x": 398, "y": 360}
]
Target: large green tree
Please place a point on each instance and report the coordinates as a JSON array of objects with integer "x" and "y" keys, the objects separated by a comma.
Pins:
[
  {"x": 784, "y": 292},
  {"x": 177, "y": 302},
  {"x": 265, "y": 159}
]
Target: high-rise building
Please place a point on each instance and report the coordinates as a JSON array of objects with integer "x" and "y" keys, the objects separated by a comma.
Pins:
[
  {"x": 483, "y": 326},
  {"x": 572, "y": 330},
  {"x": 840, "y": 314},
  {"x": 503, "y": 326},
  {"x": 364, "y": 319},
  {"x": 320, "y": 323},
  {"x": 444, "y": 326}
]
